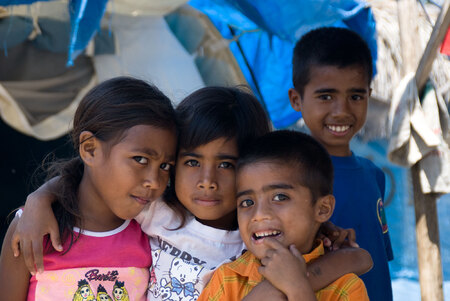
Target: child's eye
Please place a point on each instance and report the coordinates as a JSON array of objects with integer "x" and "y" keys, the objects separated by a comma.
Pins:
[
  {"x": 246, "y": 203},
  {"x": 280, "y": 197},
  {"x": 140, "y": 159},
  {"x": 226, "y": 165},
  {"x": 325, "y": 97},
  {"x": 192, "y": 163},
  {"x": 357, "y": 97},
  {"x": 166, "y": 166}
]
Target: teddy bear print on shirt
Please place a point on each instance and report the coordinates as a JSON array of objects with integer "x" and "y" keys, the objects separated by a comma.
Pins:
[{"x": 180, "y": 282}]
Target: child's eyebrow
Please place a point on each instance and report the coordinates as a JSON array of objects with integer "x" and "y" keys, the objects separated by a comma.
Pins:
[
  {"x": 331, "y": 90},
  {"x": 145, "y": 150},
  {"x": 219, "y": 156},
  {"x": 227, "y": 157},
  {"x": 277, "y": 186},
  {"x": 266, "y": 188},
  {"x": 326, "y": 90},
  {"x": 152, "y": 153},
  {"x": 358, "y": 90},
  {"x": 241, "y": 193}
]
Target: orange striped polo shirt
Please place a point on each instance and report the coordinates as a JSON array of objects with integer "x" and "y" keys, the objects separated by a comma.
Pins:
[{"x": 234, "y": 280}]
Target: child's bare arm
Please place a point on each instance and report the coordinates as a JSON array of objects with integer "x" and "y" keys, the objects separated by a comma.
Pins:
[
  {"x": 285, "y": 269},
  {"x": 14, "y": 275},
  {"x": 36, "y": 221},
  {"x": 265, "y": 291},
  {"x": 331, "y": 266}
]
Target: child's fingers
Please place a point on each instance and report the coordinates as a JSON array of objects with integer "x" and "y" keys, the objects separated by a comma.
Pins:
[
  {"x": 265, "y": 261},
  {"x": 330, "y": 230},
  {"x": 56, "y": 240},
  {"x": 352, "y": 238},
  {"x": 340, "y": 240},
  {"x": 327, "y": 242},
  {"x": 296, "y": 252},
  {"x": 299, "y": 256},
  {"x": 26, "y": 247},
  {"x": 38, "y": 256},
  {"x": 353, "y": 244},
  {"x": 273, "y": 243}
]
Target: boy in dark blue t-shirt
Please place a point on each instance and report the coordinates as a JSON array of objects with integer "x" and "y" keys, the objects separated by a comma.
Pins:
[{"x": 332, "y": 72}]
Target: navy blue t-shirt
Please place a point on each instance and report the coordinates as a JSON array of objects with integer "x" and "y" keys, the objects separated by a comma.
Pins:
[{"x": 359, "y": 192}]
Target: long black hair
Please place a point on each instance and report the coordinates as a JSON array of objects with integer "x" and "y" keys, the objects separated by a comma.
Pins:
[{"x": 107, "y": 111}]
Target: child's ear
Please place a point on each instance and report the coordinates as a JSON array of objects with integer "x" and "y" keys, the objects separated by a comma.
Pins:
[
  {"x": 89, "y": 147},
  {"x": 324, "y": 208},
  {"x": 295, "y": 99}
]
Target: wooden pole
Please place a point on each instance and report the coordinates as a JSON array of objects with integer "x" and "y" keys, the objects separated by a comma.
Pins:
[
  {"x": 428, "y": 245},
  {"x": 427, "y": 230}
]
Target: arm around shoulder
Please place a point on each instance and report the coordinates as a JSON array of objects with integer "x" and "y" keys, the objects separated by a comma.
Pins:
[
  {"x": 36, "y": 221},
  {"x": 14, "y": 275},
  {"x": 329, "y": 267}
]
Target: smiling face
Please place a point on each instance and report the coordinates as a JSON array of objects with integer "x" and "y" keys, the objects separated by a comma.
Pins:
[
  {"x": 121, "y": 179},
  {"x": 85, "y": 291},
  {"x": 334, "y": 105},
  {"x": 205, "y": 182},
  {"x": 271, "y": 203}
]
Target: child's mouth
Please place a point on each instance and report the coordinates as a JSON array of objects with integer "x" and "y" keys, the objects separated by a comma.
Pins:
[
  {"x": 142, "y": 201},
  {"x": 338, "y": 129},
  {"x": 265, "y": 234}
]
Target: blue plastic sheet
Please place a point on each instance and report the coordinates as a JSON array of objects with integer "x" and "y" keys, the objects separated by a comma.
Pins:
[
  {"x": 269, "y": 30},
  {"x": 85, "y": 16}
]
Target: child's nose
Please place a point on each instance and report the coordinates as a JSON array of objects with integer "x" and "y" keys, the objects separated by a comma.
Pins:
[
  {"x": 340, "y": 107},
  {"x": 262, "y": 212},
  {"x": 207, "y": 179},
  {"x": 152, "y": 178}
]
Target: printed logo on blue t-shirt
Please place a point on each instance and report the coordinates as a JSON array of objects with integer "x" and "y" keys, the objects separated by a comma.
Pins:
[{"x": 382, "y": 216}]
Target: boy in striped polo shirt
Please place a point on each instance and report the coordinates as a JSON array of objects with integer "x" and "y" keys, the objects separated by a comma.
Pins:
[{"x": 284, "y": 194}]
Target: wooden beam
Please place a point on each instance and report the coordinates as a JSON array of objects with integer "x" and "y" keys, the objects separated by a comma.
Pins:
[
  {"x": 436, "y": 38},
  {"x": 427, "y": 230},
  {"x": 428, "y": 244}
]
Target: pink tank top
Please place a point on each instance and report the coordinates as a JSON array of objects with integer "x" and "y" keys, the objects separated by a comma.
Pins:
[{"x": 111, "y": 265}]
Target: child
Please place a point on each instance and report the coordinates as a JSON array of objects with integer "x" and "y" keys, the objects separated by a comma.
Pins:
[
  {"x": 284, "y": 186},
  {"x": 193, "y": 229},
  {"x": 332, "y": 71},
  {"x": 125, "y": 136}
]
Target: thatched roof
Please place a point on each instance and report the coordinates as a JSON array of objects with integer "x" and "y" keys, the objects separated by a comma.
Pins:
[{"x": 389, "y": 62}]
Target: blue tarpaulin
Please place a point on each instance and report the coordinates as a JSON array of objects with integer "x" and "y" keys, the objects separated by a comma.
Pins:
[
  {"x": 267, "y": 32},
  {"x": 268, "y": 51}
]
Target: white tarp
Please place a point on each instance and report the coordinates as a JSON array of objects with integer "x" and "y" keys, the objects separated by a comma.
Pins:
[{"x": 418, "y": 135}]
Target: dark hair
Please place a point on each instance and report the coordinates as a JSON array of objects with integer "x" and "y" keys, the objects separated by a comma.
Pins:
[
  {"x": 330, "y": 46},
  {"x": 215, "y": 112},
  {"x": 107, "y": 111},
  {"x": 298, "y": 150}
]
